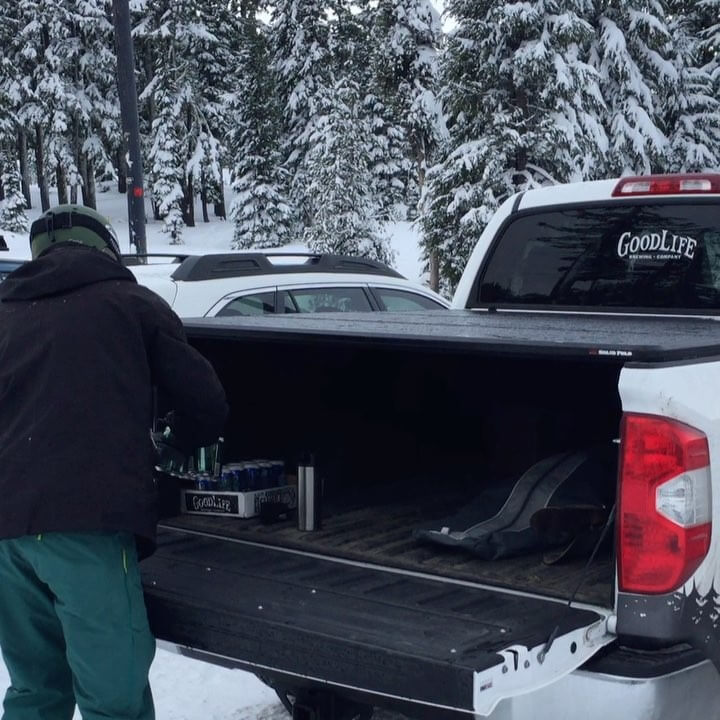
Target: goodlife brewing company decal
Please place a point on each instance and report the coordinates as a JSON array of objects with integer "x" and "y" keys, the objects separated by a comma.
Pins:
[{"x": 656, "y": 246}]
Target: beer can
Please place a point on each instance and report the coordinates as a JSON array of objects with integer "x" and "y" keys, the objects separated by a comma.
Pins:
[
  {"x": 227, "y": 480},
  {"x": 266, "y": 476},
  {"x": 252, "y": 476},
  {"x": 278, "y": 473}
]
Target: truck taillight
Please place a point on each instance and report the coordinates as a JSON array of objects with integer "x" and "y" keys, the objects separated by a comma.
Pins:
[
  {"x": 689, "y": 184},
  {"x": 665, "y": 511}
]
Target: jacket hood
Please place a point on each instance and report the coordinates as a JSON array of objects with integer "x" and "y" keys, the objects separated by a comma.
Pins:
[{"x": 61, "y": 269}]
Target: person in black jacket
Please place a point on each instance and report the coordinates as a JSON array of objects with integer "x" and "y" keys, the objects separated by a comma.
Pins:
[{"x": 83, "y": 350}]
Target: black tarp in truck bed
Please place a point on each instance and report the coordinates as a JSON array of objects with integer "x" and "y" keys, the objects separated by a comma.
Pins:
[
  {"x": 380, "y": 631},
  {"x": 566, "y": 335}
]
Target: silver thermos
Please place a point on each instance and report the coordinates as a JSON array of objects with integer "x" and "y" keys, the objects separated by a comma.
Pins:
[{"x": 309, "y": 496}]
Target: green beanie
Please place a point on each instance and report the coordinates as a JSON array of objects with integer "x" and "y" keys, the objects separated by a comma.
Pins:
[{"x": 73, "y": 224}]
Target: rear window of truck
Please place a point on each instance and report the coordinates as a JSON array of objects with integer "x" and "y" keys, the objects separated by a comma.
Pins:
[{"x": 650, "y": 256}]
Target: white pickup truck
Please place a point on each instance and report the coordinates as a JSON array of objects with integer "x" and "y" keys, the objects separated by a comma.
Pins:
[{"x": 586, "y": 318}]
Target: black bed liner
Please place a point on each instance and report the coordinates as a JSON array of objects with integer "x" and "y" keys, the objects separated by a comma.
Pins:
[
  {"x": 384, "y": 632},
  {"x": 382, "y": 535},
  {"x": 610, "y": 337}
]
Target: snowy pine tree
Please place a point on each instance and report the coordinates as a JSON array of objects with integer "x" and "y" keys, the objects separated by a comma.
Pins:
[
  {"x": 344, "y": 209},
  {"x": 407, "y": 39},
  {"x": 352, "y": 45},
  {"x": 692, "y": 111},
  {"x": 303, "y": 64},
  {"x": 260, "y": 210},
  {"x": 166, "y": 168},
  {"x": 12, "y": 208},
  {"x": 96, "y": 116},
  {"x": 524, "y": 109},
  {"x": 183, "y": 149},
  {"x": 631, "y": 53},
  {"x": 41, "y": 87}
]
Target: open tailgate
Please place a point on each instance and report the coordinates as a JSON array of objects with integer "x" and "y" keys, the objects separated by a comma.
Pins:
[{"x": 384, "y": 632}]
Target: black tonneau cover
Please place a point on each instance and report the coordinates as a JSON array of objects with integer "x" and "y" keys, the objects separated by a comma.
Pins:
[{"x": 611, "y": 337}]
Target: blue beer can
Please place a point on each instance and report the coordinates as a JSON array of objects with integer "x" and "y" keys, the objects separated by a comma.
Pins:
[
  {"x": 278, "y": 473},
  {"x": 252, "y": 476},
  {"x": 266, "y": 477},
  {"x": 226, "y": 480}
]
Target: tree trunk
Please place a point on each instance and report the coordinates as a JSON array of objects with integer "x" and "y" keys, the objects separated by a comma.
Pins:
[
  {"x": 203, "y": 197},
  {"x": 82, "y": 169},
  {"x": 219, "y": 206},
  {"x": 188, "y": 204},
  {"x": 89, "y": 196},
  {"x": 2, "y": 189},
  {"x": 24, "y": 168},
  {"x": 62, "y": 190},
  {"x": 40, "y": 168},
  {"x": 87, "y": 174},
  {"x": 421, "y": 163},
  {"x": 156, "y": 210},
  {"x": 149, "y": 66},
  {"x": 434, "y": 270},
  {"x": 521, "y": 155},
  {"x": 76, "y": 155},
  {"x": 121, "y": 169}
]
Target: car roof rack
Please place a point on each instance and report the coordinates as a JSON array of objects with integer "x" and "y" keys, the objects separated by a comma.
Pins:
[
  {"x": 212, "y": 267},
  {"x": 130, "y": 259}
]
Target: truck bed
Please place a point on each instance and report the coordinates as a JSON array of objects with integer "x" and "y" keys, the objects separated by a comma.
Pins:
[
  {"x": 381, "y": 535},
  {"x": 305, "y": 616}
]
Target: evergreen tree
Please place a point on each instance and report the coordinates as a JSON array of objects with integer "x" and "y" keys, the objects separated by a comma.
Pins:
[
  {"x": 408, "y": 36},
  {"x": 303, "y": 64},
  {"x": 96, "y": 116},
  {"x": 631, "y": 53},
  {"x": 386, "y": 146},
  {"x": 184, "y": 150},
  {"x": 709, "y": 13},
  {"x": 167, "y": 167},
  {"x": 12, "y": 208},
  {"x": 524, "y": 110},
  {"x": 42, "y": 89},
  {"x": 260, "y": 210},
  {"x": 692, "y": 112},
  {"x": 14, "y": 90},
  {"x": 344, "y": 209}
]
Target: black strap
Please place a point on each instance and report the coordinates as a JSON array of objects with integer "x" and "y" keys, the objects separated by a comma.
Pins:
[{"x": 50, "y": 222}]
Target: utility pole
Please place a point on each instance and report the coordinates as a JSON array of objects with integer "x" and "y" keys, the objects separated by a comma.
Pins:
[{"x": 131, "y": 125}]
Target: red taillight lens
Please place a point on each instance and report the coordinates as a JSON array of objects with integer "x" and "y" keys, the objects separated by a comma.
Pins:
[
  {"x": 690, "y": 184},
  {"x": 665, "y": 513}
]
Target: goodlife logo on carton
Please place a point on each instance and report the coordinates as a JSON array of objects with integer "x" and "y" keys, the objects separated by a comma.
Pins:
[{"x": 656, "y": 246}]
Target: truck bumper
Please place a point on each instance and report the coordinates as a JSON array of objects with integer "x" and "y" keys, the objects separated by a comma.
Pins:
[{"x": 691, "y": 694}]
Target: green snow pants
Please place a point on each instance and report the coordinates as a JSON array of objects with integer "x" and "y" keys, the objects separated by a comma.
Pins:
[{"x": 73, "y": 628}]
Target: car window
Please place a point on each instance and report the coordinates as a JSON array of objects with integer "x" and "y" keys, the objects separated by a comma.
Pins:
[
  {"x": 7, "y": 266},
  {"x": 633, "y": 256},
  {"x": 404, "y": 301},
  {"x": 257, "y": 304},
  {"x": 328, "y": 299}
]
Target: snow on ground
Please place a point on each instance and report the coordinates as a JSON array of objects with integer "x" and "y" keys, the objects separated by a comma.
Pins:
[
  {"x": 215, "y": 236},
  {"x": 186, "y": 689},
  {"x": 190, "y": 690}
]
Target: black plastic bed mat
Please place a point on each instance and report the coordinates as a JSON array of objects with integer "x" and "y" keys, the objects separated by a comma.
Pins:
[{"x": 368, "y": 628}]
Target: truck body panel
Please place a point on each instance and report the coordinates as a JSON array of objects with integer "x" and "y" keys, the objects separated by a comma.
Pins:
[{"x": 691, "y": 613}]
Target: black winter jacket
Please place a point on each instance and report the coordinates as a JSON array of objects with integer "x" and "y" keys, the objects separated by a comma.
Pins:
[{"x": 81, "y": 347}]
